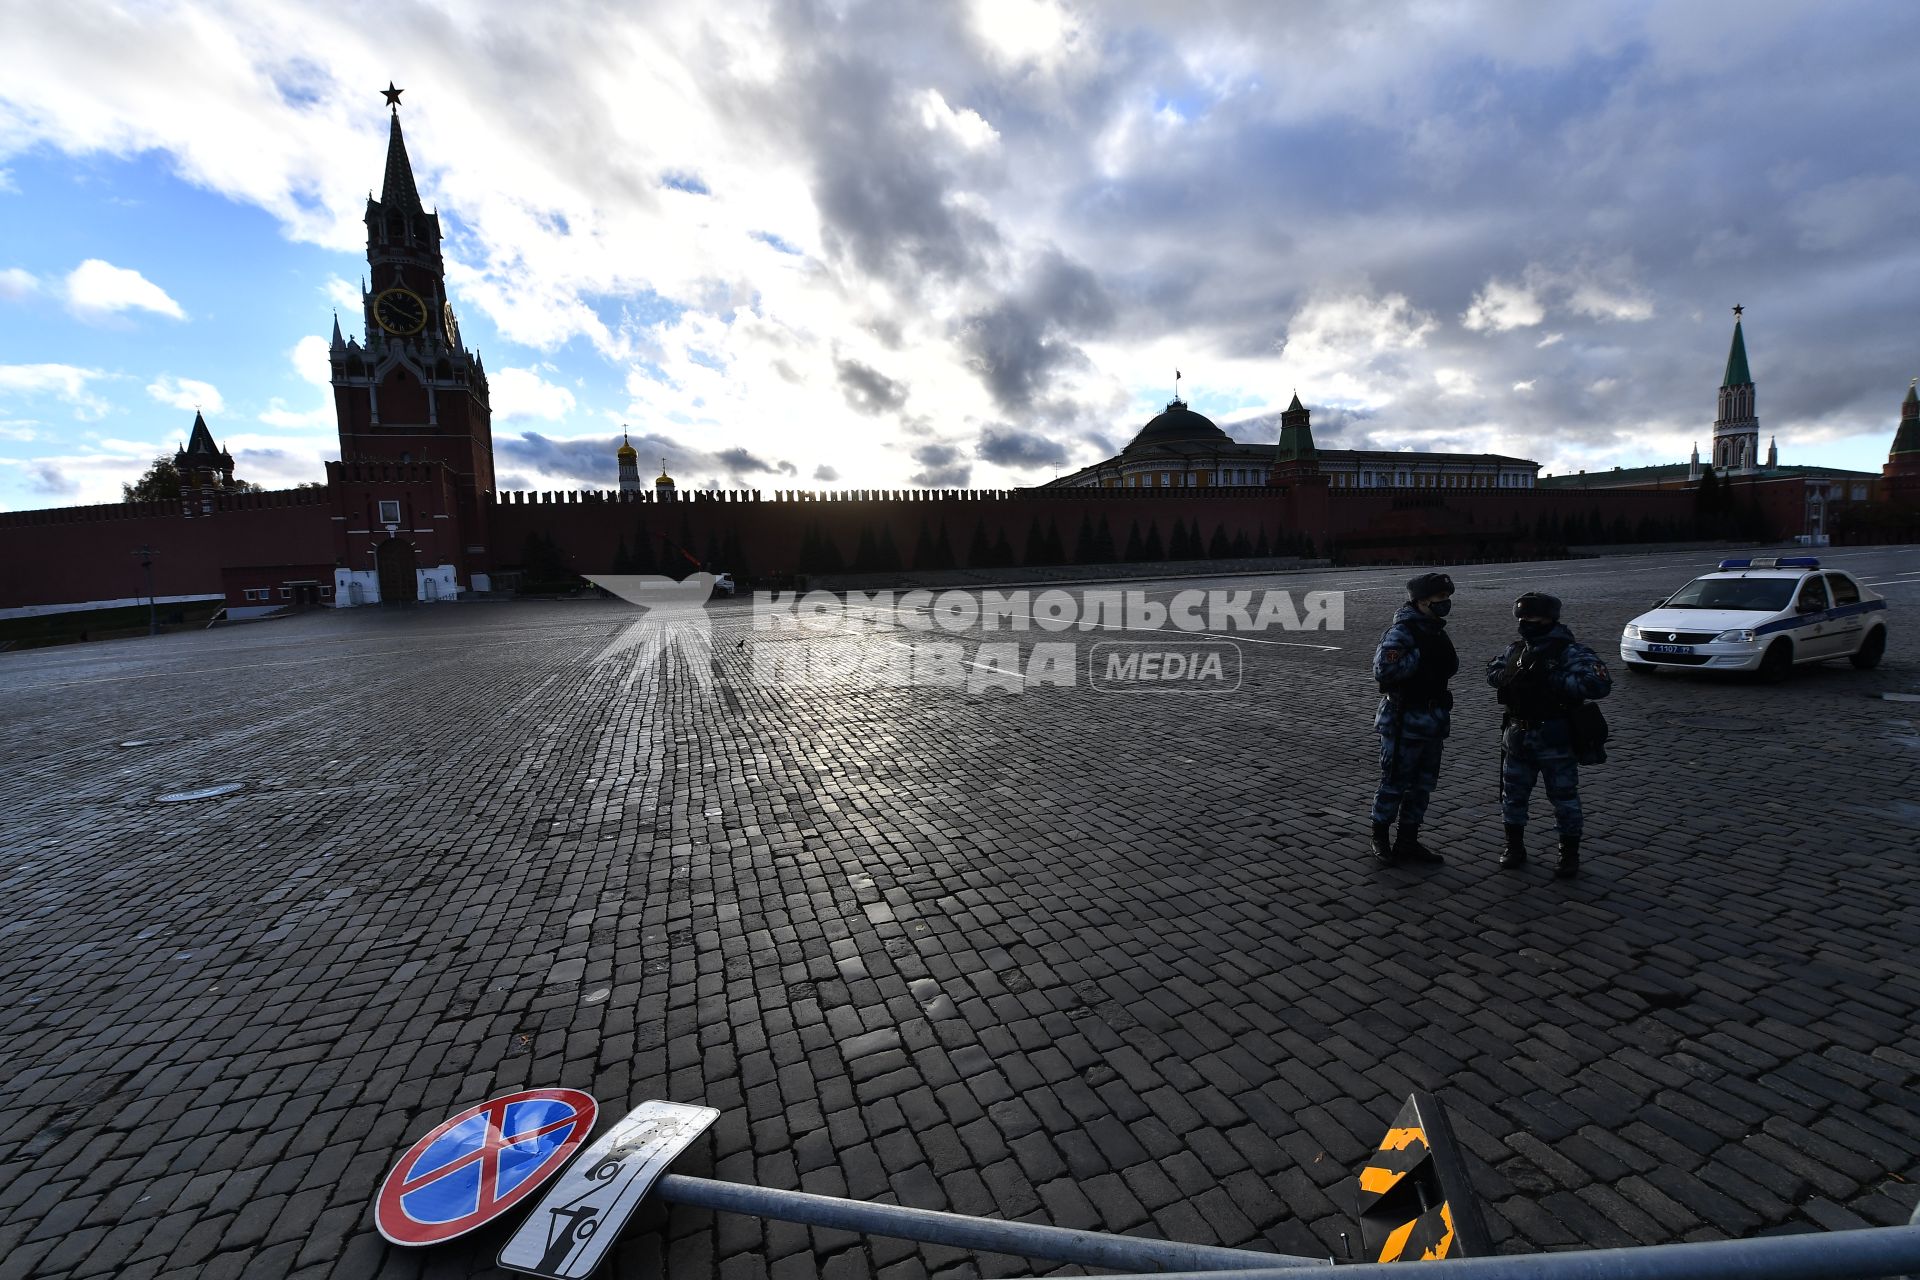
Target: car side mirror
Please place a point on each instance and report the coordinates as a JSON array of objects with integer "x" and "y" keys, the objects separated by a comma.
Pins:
[{"x": 1659, "y": 602}]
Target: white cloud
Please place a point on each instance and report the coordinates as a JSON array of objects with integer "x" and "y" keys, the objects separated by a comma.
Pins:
[
  {"x": 1018, "y": 32},
  {"x": 1348, "y": 346},
  {"x": 186, "y": 393},
  {"x": 18, "y": 429},
  {"x": 344, "y": 294},
  {"x": 1607, "y": 292},
  {"x": 1604, "y": 303},
  {"x": 312, "y": 363},
  {"x": 276, "y": 414},
  {"x": 65, "y": 382},
  {"x": 1524, "y": 386},
  {"x": 16, "y": 283},
  {"x": 1500, "y": 306},
  {"x": 522, "y": 393},
  {"x": 1454, "y": 382},
  {"x": 96, "y": 288},
  {"x": 278, "y": 462},
  {"x": 1550, "y": 340},
  {"x": 92, "y": 473},
  {"x": 311, "y": 360},
  {"x": 968, "y": 127}
]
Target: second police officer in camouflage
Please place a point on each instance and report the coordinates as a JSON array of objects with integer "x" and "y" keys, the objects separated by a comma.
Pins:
[
  {"x": 1412, "y": 665},
  {"x": 1542, "y": 679}
]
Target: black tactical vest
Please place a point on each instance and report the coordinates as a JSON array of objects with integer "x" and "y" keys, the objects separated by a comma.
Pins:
[
  {"x": 1438, "y": 664},
  {"x": 1529, "y": 697}
]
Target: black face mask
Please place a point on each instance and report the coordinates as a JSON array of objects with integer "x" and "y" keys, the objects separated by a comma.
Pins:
[
  {"x": 1534, "y": 630},
  {"x": 1439, "y": 608}
]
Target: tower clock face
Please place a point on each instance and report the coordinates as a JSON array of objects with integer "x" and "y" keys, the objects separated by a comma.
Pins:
[{"x": 400, "y": 311}]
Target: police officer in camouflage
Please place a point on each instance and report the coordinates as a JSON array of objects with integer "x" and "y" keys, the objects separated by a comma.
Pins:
[
  {"x": 1412, "y": 665},
  {"x": 1541, "y": 678}
]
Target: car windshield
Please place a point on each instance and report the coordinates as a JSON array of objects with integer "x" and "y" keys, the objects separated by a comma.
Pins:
[{"x": 1760, "y": 595}]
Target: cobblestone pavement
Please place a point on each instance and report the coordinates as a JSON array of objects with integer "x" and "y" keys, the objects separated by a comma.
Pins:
[{"x": 1107, "y": 960}]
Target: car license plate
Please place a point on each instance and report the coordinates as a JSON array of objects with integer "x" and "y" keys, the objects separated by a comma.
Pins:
[{"x": 1669, "y": 648}]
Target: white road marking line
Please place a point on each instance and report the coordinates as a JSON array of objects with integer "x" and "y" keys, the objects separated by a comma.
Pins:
[{"x": 1236, "y": 638}]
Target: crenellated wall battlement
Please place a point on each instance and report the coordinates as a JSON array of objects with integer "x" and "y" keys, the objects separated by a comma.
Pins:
[
  {"x": 808, "y": 497},
  {"x": 266, "y": 500}
]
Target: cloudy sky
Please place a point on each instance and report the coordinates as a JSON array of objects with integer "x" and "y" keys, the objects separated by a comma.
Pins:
[{"x": 845, "y": 243}]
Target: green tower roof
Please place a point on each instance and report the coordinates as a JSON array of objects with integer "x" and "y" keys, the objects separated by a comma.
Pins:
[{"x": 1737, "y": 375}]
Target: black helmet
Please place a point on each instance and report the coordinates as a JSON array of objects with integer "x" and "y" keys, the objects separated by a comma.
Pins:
[
  {"x": 1429, "y": 584},
  {"x": 1537, "y": 604}
]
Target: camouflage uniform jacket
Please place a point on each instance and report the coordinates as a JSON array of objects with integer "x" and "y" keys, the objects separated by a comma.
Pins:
[
  {"x": 1573, "y": 673},
  {"x": 1394, "y": 663}
]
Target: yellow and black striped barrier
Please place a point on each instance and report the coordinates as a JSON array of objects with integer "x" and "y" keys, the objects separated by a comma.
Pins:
[{"x": 1416, "y": 1200}]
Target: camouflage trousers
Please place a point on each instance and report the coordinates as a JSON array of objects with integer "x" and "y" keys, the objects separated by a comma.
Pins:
[
  {"x": 1409, "y": 770},
  {"x": 1525, "y": 762}
]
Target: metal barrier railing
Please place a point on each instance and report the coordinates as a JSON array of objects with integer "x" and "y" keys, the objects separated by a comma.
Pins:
[
  {"x": 1867, "y": 1253},
  {"x": 1416, "y": 1204},
  {"x": 986, "y": 1235}
]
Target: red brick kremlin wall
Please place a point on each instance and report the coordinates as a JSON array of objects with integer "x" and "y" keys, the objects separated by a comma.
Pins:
[
  {"x": 67, "y": 555},
  {"x": 771, "y": 534},
  {"x": 78, "y": 554}
]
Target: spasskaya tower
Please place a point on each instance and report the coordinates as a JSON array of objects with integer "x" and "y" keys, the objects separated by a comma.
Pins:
[
  {"x": 412, "y": 391},
  {"x": 416, "y": 432}
]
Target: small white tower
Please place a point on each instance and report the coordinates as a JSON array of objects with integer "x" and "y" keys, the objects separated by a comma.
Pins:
[{"x": 629, "y": 464}]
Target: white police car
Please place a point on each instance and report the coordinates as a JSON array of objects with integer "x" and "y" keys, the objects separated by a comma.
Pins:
[{"x": 1763, "y": 614}]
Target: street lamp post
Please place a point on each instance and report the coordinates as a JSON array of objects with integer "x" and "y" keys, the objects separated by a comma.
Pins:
[{"x": 146, "y": 562}]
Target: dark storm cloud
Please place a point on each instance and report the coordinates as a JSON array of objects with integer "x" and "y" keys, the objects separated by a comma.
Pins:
[
  {"x": 739, "y": 462},
  {"x": 1019, "y": 343},
  {"x": 942, "y": 467},
  {"x": 1262, "y": 429},
  {"x": 1614, "y": 160},
  {"x": 869, "y": 390},
  {"x": 883, "y": 189},
  {"x": 1333, "y": 428},
  {"x": 44, "y": 477},
  {"x": 592, "y": 463},
  {"x": 1008, "y": 446},
  {"x": 1603, "y": 147}
]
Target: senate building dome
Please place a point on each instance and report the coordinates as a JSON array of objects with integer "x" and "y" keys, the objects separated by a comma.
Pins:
[{"x": 1178, "y": 425}]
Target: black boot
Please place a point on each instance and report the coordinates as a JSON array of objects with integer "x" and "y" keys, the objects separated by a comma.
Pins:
[
  {"x": 1569, "y": 858},
  {"x": 1409, "y": 849},
  {"x": 1516, "y": 854},
  {"x": 1382, "y": 849}
]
